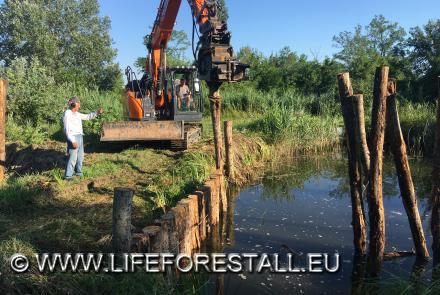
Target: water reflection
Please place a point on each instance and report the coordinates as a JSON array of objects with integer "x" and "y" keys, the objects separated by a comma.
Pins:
[{"x": 305, "y": 207}]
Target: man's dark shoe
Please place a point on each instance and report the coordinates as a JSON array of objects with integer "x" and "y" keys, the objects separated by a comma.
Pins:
[{"x": 68, "y": 178}]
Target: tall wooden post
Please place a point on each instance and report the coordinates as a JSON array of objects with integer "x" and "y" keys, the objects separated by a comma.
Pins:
[
  {"x": 354, "y": 167},
  {"x": 3, "y": 93},
  {"x": 228, "y": 149},
  {"x": 362, "y": 150},
  {"x": 398, "y": 148},
  {"x": 122, "y": 208},
  {"x": 374, "y": 196},
  {"x": 361, "y": 134},
  {"x": 215, "y": 106},
  {"x": 344, "y": 83},
  {"x": 435, "y": 217},
  {"x": 355, "y": 171},
  {"x": 345, "y": 91}
]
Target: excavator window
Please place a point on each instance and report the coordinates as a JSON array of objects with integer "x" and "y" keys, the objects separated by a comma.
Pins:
[
  {"x": 190, "y": 101},
  {"x": 188, "y": 108}
]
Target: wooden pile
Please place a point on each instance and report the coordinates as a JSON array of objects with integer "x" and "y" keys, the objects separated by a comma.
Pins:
[
  {"x": 365, "y": 167},
  {"x": 183, "y": 229}
]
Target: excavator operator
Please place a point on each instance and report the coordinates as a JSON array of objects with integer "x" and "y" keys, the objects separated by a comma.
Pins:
[{"x": 183, "y": 95}]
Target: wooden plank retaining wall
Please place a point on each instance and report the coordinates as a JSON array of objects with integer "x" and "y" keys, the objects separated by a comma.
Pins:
[{"x": 185, "y": 227}]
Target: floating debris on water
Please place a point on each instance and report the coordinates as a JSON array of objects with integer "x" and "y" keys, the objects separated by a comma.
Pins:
[{"x": 317, "y": 219}]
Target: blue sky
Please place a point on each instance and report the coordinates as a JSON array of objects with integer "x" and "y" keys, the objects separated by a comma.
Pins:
[{"x": 305, "y": 26}]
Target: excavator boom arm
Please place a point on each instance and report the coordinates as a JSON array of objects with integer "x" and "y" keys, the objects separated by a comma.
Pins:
[
  {"x": 166, "y": 18},
  {"x": 215, "y": 61}
]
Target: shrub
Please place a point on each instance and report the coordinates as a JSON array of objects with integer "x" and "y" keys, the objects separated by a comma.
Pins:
[
  {"x": 36, "y": 104},
  {"x": 30, "y": 85}
]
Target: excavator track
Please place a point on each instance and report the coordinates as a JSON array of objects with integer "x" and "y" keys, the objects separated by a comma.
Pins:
[{"x": 192, "y": 134}]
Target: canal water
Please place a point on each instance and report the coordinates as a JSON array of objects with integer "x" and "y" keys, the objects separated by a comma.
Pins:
[{"x": 304, "y": 207}]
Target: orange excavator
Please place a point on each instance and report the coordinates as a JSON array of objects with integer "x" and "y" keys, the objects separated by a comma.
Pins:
[{"x": 166, "y": 102}]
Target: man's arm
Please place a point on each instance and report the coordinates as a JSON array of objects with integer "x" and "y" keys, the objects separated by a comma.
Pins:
[
  {"x": 91, "y": 116},
  {"x": 86, "y": 117}
]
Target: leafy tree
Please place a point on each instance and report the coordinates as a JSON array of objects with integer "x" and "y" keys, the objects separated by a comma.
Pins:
[
  {"x": 356, "y": 53},
  {"x": 68, "y": 37},
  {"x": 223, "y": 13},
  {"x": 250, "y": 56},
  {"x": 29, "y": 97},
  {"x": 425, "y": 43},
  {"x": 177, "y": 47},
  {"x": 381, "y": 42},
  {"x": 425, "y": 54},
  {"x": 387, "y": 38},
  {"x": 389, "y": 42},
  {"x": 253, "y": 58}
]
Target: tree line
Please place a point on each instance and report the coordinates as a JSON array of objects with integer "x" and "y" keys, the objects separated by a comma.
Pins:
[
  {"x": 65, "y": 44},
  {"x": 413, "y": 57}
]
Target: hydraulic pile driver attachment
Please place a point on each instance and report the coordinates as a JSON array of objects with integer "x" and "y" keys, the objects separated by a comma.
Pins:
[
  {"x": 215, "y": 60},
  {"x": 216, "y": 63}
]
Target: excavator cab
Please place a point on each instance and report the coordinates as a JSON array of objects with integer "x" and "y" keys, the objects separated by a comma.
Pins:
[
  {"x": 182, "y": 97},
  {"x": 189, "y": 106}
]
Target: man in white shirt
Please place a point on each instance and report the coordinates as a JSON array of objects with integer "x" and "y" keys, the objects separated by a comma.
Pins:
[
  {"x": 72, "y": 121},
  {"x": 183, "y": 95}
]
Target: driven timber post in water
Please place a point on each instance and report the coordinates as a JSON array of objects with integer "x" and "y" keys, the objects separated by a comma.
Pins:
[
  {"x": 3, "y": 92},
  {"x": 374, "y": 195},
  {"x": 354, "y": 167},
  {"x": 228, "y": 149},
  {"x": 122, "y": 208},
  {"x": 398, "y": 148},
  {"x": 361, "y": 135},
  {"x": 215, "y": 106},
  {"x": 346, "y": 91},
  {"x": 435, "y": 217}
]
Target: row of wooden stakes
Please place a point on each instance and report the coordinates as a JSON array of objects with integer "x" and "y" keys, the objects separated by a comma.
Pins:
[
  {"x": 182, "y": 229},
  {"x": 365, "y": 167}
]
